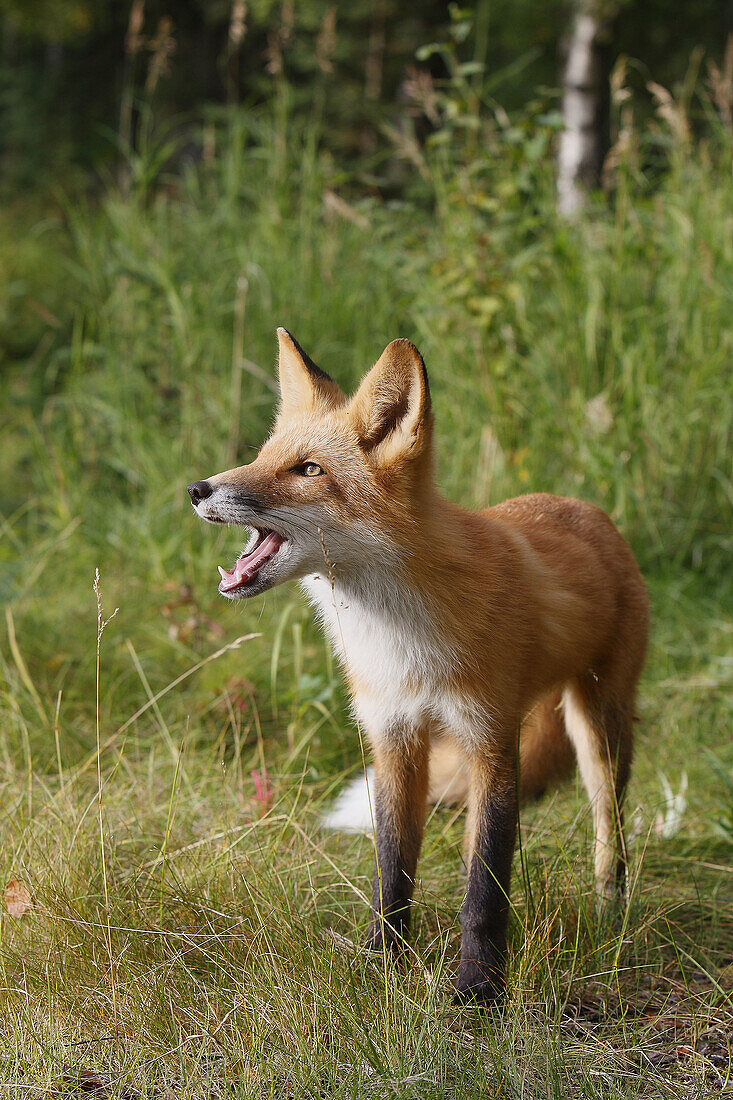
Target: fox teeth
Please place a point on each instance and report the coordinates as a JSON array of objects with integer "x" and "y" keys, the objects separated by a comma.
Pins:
[{"x": 222, "y": 572}]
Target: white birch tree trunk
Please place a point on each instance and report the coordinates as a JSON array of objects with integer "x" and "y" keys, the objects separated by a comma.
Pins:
[{"x": 581, "y": 146}]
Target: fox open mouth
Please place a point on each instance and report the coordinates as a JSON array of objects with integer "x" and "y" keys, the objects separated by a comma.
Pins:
[{"x": 262, "y": 548}]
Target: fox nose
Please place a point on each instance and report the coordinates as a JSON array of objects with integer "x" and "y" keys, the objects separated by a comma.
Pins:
[{"x": 198, "y": 491}]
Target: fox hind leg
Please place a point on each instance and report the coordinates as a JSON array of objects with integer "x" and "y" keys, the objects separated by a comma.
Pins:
[{"x": 600, "y": 726}]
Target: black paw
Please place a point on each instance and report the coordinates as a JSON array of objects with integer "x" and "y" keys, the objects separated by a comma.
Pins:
[
  {"x": 480, "y": 987},
  {"x": 381, "y": 937}
]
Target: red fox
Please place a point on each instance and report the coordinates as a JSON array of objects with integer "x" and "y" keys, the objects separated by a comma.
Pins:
[{"x": 515, "y": 634}]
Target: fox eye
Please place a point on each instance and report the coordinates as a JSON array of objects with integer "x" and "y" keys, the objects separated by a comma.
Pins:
[{"x": 308, "y": 469}]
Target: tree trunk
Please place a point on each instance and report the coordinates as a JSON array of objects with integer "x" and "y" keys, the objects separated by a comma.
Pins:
[{"x": 584, "y": 109}]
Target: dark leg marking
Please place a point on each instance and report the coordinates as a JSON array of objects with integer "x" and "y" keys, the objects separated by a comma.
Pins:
[
  {"x": 485, "y": 912},
  {"x": 399, "y": 805}
]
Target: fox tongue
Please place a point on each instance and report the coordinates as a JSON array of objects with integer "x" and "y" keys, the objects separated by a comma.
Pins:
[{"x": 247, "y": 565}]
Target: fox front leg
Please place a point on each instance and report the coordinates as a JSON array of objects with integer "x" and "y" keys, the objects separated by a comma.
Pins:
[
  {"x": 491, "y": 833},
  {"x": 400, "y": 799}
]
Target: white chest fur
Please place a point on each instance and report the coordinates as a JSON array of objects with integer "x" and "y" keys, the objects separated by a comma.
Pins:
[{"x": 399, "y": 666}]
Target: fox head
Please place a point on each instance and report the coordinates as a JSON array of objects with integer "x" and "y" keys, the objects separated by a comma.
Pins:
[{"x": 339, "y": 486}]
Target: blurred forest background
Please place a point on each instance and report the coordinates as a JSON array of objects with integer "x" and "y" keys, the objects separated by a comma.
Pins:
[
  {"x": 76, "y": 74},
  {"x": 541, "y": 196}
]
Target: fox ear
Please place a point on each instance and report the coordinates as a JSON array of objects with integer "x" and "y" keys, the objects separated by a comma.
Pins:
[
  {"x": 303, "y": 385},
  {"x": 392, "y": 404}
]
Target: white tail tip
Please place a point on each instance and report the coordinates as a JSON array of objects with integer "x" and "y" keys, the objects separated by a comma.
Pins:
[{"x": 351, "y": 812}]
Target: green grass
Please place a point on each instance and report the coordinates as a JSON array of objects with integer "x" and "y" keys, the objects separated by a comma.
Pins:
[{"x": 182, "y": 929}]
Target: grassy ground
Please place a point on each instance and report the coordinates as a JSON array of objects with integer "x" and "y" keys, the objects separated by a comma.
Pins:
[{"x": 191, "y": 930}]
